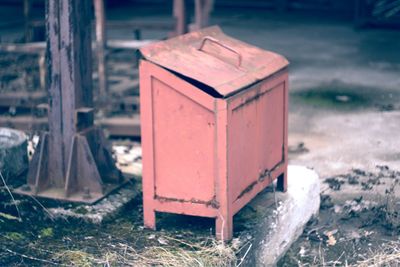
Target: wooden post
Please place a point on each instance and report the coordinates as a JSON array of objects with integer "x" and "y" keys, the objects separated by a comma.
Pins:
[
  {"x": 181, "y": 17},
  {"x": 198, "y": 15},
  {"x": 74, "y": 40},
  {"x": 101, "y": 47},
  {"x": 72, "y": 161},
  {"x": 202, "y": 12},
  {"x": 42, "y": 70},
  {"x": 53, "y": 84},
  {"x": 27, "y": 20}
]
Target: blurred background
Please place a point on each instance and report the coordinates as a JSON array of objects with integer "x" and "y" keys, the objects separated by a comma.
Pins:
[{"x": 344, "y": 67}]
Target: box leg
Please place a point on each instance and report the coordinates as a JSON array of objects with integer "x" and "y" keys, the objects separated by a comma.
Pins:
[
  {"x": 282, "y": 182},
  {"x": 149, "y": 217},
  {"x": 224, "y": 228}
]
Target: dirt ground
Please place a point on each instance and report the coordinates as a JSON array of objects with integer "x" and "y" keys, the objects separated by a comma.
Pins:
[
  {"x": 352, "y": 230},
  {"x": 344, "y": 123}
]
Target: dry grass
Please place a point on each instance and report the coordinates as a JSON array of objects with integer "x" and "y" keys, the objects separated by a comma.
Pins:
[
  {"x": 75, "y": 258},
  {"x": 11, "y": 195},
  {"x": 388, "y": 255},
  {"x": 176, "y": 253},
  {"x": 182, "y": 253},
  {"x": 392, "y": 206},
  {"x": 213, "y": 254}
]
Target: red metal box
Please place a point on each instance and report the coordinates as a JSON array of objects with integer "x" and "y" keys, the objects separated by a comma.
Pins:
[{"x": 214, "y": 125}]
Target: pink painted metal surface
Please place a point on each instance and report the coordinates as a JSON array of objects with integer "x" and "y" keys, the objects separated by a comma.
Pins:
[
  {"x": 214, "y": 126},
  {"x": 204, "y": 57}
]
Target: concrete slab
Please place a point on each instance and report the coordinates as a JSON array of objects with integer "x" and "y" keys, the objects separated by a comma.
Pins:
[
  {"x": 281, "y": 217},
  {"x": 103, "y": 211}
]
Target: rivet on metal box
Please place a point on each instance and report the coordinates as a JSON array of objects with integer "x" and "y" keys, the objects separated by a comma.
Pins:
[{"x": 214, "y": 116}]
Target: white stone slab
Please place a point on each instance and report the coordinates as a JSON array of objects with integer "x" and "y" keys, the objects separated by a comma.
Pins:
[{"x": 283, "y": 216}]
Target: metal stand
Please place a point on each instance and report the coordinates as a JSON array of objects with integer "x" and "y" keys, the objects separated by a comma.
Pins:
[{"x": 72, "y": 161}]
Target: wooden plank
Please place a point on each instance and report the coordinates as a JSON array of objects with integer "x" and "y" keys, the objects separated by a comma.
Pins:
[
  {"x": 128, "y": 44},
  {"x": 124, "y": 105},
  {"x": 29, "y": 48},
  {"x": 181, "y": 17},
  {"x": 141, "y": 24},
  {"x": 40, "y": 47},
  {"x": 202, "y": 10},
  {"x": 22, "y": 99},
  {"x": 31, "y": 100},
  {"x": 122, "y": 126},
  {"x": 24, "y": 123},
  {"x": 116, "y": 126},
  {"x": 125, "y": 87},
  {"x": 120, "y": 24}
]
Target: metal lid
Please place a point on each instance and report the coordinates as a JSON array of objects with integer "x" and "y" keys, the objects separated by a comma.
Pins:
[{"x": 212, "y": 58}]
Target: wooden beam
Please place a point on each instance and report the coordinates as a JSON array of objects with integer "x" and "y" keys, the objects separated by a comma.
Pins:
[
  {"x": 128, "y": 44},
  {"x": 40, "y": 47},
  {"x": 122, "y": 126},
  {"x": 22, "y": 99},
  {"x": 142, "y": 24},
  {"x": 28, "y": 48},
  {"x": 116, "y": 126}
]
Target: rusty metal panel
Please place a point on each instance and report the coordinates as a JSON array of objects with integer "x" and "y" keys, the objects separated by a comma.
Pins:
[
  {"x": 214, "y": 59},
  {"x": 257, "y": 123}
]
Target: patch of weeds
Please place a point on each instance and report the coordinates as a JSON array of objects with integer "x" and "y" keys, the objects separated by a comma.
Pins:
[
  {"x": 355, "y": 208},
  {"x": 382, "y": 167},
  {"x": 387, "y": 213},
  {"x": 391, "y": 207},
  {"x": 8, "y": 216},
  {"x": 326, "y": 202},
  {"x": 366, "y": 186},
  {"x": 46, "y": 232},
  {"x": 334, "y": 183},
  {"x": 385, "y": 107},
  {"x": 14, "y": 236},
  {"x": 360, "y": 172},
  {"x": 385, "y": 171},
  {"x": 369, "y": 184},
  {"x": 75, "y": 258},
  {"x": 353, "y": 179}
]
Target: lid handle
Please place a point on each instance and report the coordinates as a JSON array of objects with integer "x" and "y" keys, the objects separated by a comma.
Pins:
[{"x": 211, "y": 39}]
